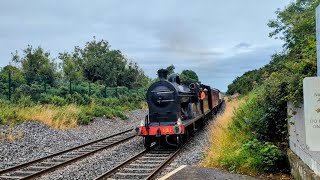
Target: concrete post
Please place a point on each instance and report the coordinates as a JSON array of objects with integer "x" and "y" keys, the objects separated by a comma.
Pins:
[{"x": 318, "y": 38}]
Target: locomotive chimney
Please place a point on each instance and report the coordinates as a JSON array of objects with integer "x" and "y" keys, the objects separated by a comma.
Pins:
[{"x": 162, "y": 74}]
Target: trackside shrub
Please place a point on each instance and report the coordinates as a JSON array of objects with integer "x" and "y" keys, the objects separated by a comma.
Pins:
[
  {"x": 49, "y": 99},
  {"x": 239, "y": 146},
  {"x": 254, "y": 117},
  {"x": 267, "y": 156},
  {"x": 83, "y": 118}
]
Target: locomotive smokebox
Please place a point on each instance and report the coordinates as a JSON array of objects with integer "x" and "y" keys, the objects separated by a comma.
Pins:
[{"x": 162, "y": 74}]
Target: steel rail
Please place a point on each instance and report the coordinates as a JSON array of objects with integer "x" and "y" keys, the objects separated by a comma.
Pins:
[
  {"x": 115, "y": 169},
  {"x": 163, "y": 165},
  {"x": 151, "y": 174},
  {"x": 67, "y": 161}
]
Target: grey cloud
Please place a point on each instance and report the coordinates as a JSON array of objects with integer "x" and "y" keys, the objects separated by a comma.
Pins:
[
  {"x": 225, "y": 70},
  {"x": 153, "y": 33},
  {"x": 242, "y": 45}
]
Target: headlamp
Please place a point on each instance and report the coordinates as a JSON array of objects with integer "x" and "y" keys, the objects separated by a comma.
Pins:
[
  {"x": 179, "y": 122},
  {"x": 142, "y": 123}
]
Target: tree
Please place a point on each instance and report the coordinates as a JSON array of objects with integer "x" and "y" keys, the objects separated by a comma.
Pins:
[
  {"x": 71, "y": 69},
  {"x": 296, "y": 26},
  {"x": 188, "y": 76},
  {"x": 36, "y": 65},
  {"x": 17, "y": 78},
  {"x": 100, "y": 64},
  {"x": 247, "y": 82},
  {"x": 281, "y": 80},
  {"x": 171, "y": 69}
]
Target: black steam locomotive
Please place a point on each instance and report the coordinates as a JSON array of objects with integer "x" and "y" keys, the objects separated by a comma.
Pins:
[{"x": 176, "y": 110}]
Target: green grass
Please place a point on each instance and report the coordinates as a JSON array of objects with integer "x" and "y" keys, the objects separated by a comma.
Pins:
[
  {"x": 234, "y": 142},
  {"x": 67, "y": 113}
]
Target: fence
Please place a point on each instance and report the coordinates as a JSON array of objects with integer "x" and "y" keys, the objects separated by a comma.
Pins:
[{"x": 12, "y": 89}]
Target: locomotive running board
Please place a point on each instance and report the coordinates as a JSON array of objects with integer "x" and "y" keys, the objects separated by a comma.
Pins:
[{"x": 193, "y": 120}]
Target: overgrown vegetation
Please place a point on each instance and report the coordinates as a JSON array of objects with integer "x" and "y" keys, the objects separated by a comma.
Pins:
[
  {"x": 260, "y": 123},
  {"x": 234, "y": 143},
  {"x": 90, "y": 82},
  {"x": 69, "y": 112}
]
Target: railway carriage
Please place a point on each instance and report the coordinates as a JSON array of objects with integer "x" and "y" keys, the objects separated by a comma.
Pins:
[{"x": 176, "y": 110}]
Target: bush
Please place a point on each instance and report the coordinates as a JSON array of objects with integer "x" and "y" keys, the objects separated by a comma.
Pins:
[
  {"x": 264, "y": 142},
  {"x": 52, "y": 99},
  {"x": 33, "y": 91},
  {"x": 261, "y": 157},
  {"x": 25, "y": 101},
  {"x": 267, "y": 156},
  {"x": 78, "y": 99},
  {"x": 237, "y": 145},
  {"x": 83, "y": 118},
  {"x": 55, "y": 99},
  {"x": 7, "y": 112}
]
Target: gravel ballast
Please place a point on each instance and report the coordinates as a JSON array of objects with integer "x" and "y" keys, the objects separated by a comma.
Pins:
[{"x": 39, "y": 140}]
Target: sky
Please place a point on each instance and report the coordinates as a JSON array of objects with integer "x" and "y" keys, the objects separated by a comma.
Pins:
[{"x": 219, "y": 40}]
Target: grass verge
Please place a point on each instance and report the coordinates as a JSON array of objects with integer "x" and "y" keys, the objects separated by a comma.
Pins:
[
  {"x": 67, "y": 114},
  {"x": 234, "y": 145}
]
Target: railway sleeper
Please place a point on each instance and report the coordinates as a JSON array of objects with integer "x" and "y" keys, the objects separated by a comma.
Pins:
[
  {"x": 90, "y": 149},
  {"x": 67, "y": 157},
  {"x": 48, "y": 164},
  {"x": 135, "y": 165},
  {"x": 11, "y": 177},
  {"x": 25, "y": 172},
  {"x": 139, "y": 169},
  {"x": 84, "y": 151},
  {"x": 136, "y": 172},
  {"x": 113, "y": 141},
  {"x": 80, "y": 153},
  {"x": 35, "y": 168},
  {"x": 58, "y": 160},
  {"x": 150, "y": 162},
  {"x": 161, "y": 152},
  {"x": 98, "y": 145},
  {"x": 153, "y": 158},
  {"x": 22, "y": 173},
  {"x": 155, "y": 155},
  {"x": 132, "y": 174}
]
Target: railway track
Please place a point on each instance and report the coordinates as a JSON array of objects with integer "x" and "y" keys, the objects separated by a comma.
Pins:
[
  {"x": 144, "y": 165},
  {"x": 49, "y": 163}
]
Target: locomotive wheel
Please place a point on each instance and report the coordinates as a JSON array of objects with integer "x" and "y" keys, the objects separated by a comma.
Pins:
[
  {"x": 186, "y": 135},
  {"x": 147, "y": 142},
  {"x": 179, "y": 141}
]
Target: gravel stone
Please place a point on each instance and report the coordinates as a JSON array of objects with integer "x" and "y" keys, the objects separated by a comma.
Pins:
[
  {"x": 38, "y": 140},
  {"x": 194, "y": 152},
  {"x": 99, "y": 163}
]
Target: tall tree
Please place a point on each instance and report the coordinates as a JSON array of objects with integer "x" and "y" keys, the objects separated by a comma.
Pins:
[
  {"x": 71, "y": 69},
  {"x": 100, "y": 64},
  {"x": 296, "y": 26},
  {"x": 171, "y": 69},
  {"x": 36, "y": 65},
  {"x": 188, "y": 76}
]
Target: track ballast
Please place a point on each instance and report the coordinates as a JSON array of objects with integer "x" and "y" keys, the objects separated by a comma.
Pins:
[
  {"x": 144, "y": 165},
  {"x": 49, "y": 163}
]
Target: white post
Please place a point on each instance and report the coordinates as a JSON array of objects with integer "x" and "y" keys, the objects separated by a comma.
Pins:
[
  {"x": 318, "y": 38},
  {"x": 311, "y": 97}
]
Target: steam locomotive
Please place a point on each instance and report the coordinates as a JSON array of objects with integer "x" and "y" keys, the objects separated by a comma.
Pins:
[{"x": 176, "y": 111}]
